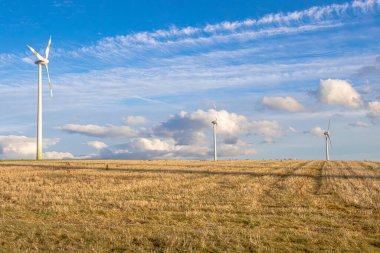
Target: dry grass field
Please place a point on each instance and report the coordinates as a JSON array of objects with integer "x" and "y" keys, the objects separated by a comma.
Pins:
[{"x": 189, "y": 206}]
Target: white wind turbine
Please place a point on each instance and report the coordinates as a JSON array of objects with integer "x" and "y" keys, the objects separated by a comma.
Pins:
[
  {"x": 41, "y": 61},
  {"x": 328, "y": 142},
  {"x": 214, "y": 126}
]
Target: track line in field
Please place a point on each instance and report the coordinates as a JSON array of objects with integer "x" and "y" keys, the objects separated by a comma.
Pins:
[
  {"x": 318, "y": 180},
  {"x": 272, "y": 190},
  {"x": 350, "y": 188}
]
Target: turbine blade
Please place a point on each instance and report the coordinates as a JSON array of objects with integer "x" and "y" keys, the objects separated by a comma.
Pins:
[
  {"x": 35, "y": 52},
  {"x": 48, "y": 48},
  {"x": 50, "y": 86},
  {"x": 328, "y": 126},
  {"x": 216, "y": 116}
]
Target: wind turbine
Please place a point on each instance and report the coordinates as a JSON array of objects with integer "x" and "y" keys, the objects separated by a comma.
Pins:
[
  {"x": 328, "y": 141},
  {"x": 41, "y": 61},
  {"x": 214, "y": 126}
]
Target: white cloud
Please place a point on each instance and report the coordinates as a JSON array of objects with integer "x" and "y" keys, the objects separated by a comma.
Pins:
[
  {"x": 58, "y": 155},
  {"x": 154, "y": 148},
  {"x": 237, "y": 149},
  {"x": 339, "y": 92},
  {"x": 17, "y": 147},
  {"x": 317, "y": 131},
  {"x": 97, "y": 144},
  {"x": 108, "y": 131},
  {"x": 21, "y": 147},
  {"x": 146, "y": 148},
  {"x": 374, "y": 109},
  {"x": 134, "y": 120},
  {"x": 152, "y": 144},
  {"x": 186, "y": 124},
  {"x": 282, "y": 103},
  {"x": 269, "y": 129}
]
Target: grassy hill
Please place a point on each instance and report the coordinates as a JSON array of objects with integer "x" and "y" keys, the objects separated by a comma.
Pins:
[{"x": 186, "y": 206}]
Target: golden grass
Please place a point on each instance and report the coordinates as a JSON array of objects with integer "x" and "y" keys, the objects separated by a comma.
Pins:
[{"x": 189, "y": 206}]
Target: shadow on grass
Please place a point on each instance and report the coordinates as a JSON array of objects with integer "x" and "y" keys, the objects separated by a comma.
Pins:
[{"x": 199, "y": 172}]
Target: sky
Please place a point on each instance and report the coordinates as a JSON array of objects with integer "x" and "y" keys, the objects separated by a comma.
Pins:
[{"x": 144, "y": 79}]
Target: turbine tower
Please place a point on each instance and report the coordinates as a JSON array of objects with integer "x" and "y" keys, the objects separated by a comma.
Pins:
[
  {"x": 41, "y": 61},
  {"x": 214, "y": 126},
  {"x": 328, "y": 142}
]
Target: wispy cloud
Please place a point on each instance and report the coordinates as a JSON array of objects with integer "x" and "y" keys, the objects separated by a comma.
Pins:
[
  {"x": 149, "y": 100},
  {"x": 359, "y": 124},
  {"x": 317, "y": 17},
  {"x": 108, "y": 131}
]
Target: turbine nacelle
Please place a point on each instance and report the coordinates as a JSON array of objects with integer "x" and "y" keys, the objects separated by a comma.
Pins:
[
  {"x": 44, "y": 62},
  {"x": 214, "y": 122},
  {"x": 328, "y": 141}
]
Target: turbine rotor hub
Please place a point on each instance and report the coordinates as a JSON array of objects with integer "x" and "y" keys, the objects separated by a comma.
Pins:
[{"x": 42, "y": 62}]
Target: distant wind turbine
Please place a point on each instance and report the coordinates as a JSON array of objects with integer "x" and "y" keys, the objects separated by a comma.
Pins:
[
  {"x": 41, "y": 61},
  {"x": 214, "y": 126},
  {"x": 328, "y": 142}
]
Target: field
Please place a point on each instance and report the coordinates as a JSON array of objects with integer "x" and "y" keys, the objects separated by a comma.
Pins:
[{"x": 189, "y": 206}]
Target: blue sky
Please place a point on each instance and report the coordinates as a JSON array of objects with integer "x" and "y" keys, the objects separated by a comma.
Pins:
[{"x": 139, "y": 79}]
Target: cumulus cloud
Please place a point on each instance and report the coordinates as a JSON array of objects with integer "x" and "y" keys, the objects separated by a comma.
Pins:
[
  {"x": 189, "y": 131},
  {"x": 339, "y": 92},
  {"x": 58, "y": 155},
  {"x": 235, "y": 149},
  {"x": 269, "y": 129},
  {"x": 17, "y": 147},
  {"x": 97, "y": 144},
  {"x": 108, "y": 131},
  {"x": 22, "y": 147},
  {"x": 153, "y": 144},
  {"x": 154, "y": 148},
  {"x": 283, "y": 103},
  {"x": 134, "y": 120},
  {"x": 189, "y": 128},
  {"x": 228, "y": 123},
  {"x": 183, "y": 135},
  {"x": 147, "y": 148},
  {"x": 317, "y": 131},
  {"x": 374, "y": 109}
]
